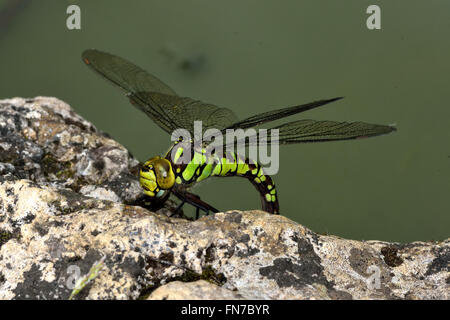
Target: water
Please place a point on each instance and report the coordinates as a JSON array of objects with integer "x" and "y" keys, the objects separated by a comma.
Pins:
[{"x": 254, "y": 56}]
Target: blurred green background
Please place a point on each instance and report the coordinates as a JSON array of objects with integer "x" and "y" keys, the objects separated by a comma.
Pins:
[{"x": 253, "y": 56}]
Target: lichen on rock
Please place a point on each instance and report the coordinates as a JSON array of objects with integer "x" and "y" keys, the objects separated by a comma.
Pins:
[{"x": 67, "y": 202}]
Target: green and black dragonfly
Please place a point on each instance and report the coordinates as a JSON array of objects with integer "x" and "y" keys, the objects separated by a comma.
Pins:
[{"x": 161, "y": 176}]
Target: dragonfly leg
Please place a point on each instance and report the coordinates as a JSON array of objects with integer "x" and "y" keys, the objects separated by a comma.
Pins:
[
  {"x": 206, "y": 208},
  {"x": 178, "y": 208},
  {"x": 197, "y": 213},
  {"x": 194, "y": 200}
]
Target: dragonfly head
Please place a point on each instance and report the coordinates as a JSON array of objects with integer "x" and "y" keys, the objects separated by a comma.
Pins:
[{"x": 156, "y": 177}]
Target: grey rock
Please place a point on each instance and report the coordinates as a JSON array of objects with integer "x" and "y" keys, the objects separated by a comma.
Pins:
[
  {"x": 44, "y": 140},
  {"x": 196, "y": 290},
  {"x": 66, "y": 195}
]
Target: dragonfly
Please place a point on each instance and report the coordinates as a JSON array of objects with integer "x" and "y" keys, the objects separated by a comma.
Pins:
[{"x": 163, "y": 175}]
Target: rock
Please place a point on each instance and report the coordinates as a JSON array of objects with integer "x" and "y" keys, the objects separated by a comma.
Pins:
[
  {"x": 197, "y": 290},
  {"x": 68, "y": 196},
  {"x": 43, "y": 140}
]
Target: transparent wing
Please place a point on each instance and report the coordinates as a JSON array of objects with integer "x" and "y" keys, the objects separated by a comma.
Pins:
[
  {"x": 156, "y": 99},
  {"x": 278, "y": 114},
  {"x": 133, "y": 80},
  {"x": 303, "y": 131},
  {"x": 172, "y": 112},
  {"x": 184, "y": 111},
  {"x": 315, "y": 131},
  {"x": 123, "y": 73}
]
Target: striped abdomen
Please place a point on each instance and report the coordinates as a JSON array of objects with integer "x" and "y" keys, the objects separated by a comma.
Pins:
[{"x": 202, "y": 167}]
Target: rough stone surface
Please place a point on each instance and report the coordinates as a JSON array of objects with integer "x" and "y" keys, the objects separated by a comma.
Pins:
[
  {"x": 43, "y": 140},
  {"x": 197, "y": 290},
  {"x": 66, "y": 202}
]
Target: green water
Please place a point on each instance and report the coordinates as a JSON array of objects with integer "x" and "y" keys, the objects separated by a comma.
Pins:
[{"x": 252, "y": 56}]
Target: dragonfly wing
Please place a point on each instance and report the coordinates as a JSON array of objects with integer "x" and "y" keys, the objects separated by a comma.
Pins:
[
  {"x": 317, "y": 131},
  {"x": 123, "y": 73},
  {"x": 157, "y": 100},
  {"x": 172, "y": 112},
  {"x": 303, "y": 131},
  {"x": 184, "y": 111},
  {"x": 134, "y": 81},
  {"x": 279, "y": 113}
]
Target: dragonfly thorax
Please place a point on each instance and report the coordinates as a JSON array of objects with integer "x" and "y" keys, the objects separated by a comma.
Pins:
[{"x": 157, "y": 177}]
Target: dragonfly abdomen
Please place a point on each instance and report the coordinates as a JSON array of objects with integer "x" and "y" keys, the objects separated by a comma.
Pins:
[
  {"x": 234, "y": 165},
  {"x": 203, "y": 166},
  {"x": 266, "y": 188}
]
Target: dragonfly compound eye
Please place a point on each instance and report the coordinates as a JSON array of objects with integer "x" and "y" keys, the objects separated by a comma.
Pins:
[
  {"x": 156, "y": 174},
  {"x": 165, "y": 177}
]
